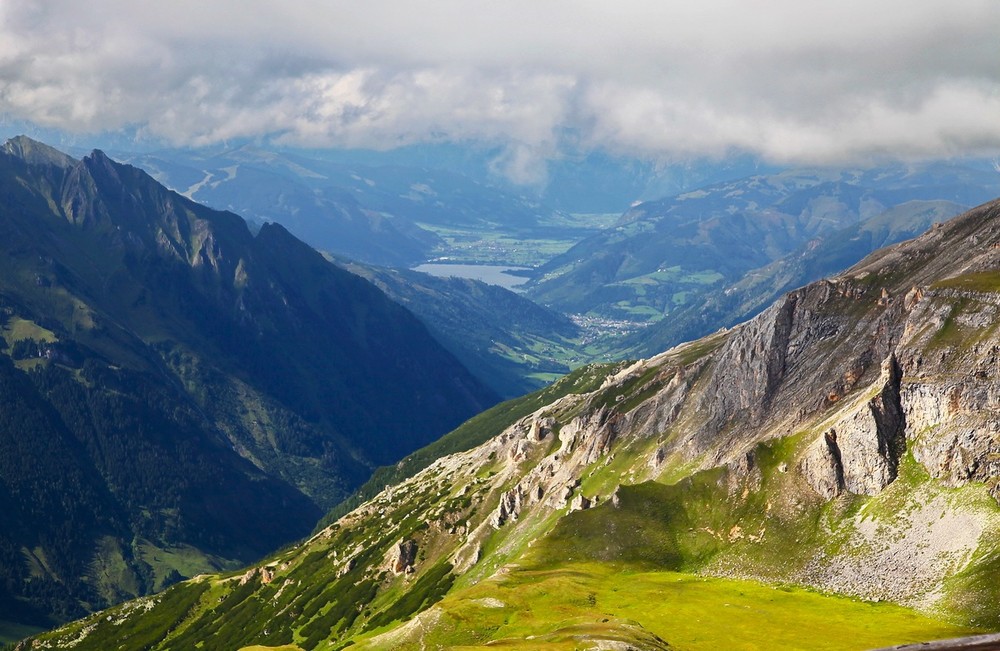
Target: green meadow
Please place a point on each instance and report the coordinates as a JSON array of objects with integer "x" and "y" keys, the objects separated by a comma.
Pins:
[{"x": 579, "y": 604}]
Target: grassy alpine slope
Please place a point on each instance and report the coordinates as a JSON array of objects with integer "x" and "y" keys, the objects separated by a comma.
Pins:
[{"x": 823, "y": 476}]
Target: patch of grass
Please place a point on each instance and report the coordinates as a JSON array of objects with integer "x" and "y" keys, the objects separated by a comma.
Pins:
[
  {"x": 771, "y": 454},
  {"x": 18, "y": 329},
  {"x": 183, "y": 560},
  {"x": 980, "y": 281},
  {"x": 627, "y": 309},
  {"x": 703, "y": 277},
  {"x": 975, "y": 591},
  {"x": 606, "y": 477},
  {"x": 950, "y": 334},
  {"x": 480, "y": 246},
  {"x": 428, "y": 590},
  {"x": 342, "y": 613},
  {"x": 668, "y": 527}
]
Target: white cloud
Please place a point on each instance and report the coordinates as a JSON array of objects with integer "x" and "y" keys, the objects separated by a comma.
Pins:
[{"x": 791, "y": 80}]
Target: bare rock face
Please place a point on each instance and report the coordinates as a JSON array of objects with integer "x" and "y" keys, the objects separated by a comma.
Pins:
[
  {"x": 955, "y": 429},
  {"x": 348, "y": 565},
  {"x": 248, "y": 576},
  {"x": 822, "y": 466},
  {"x": 751, "y": 365},
  {"x": 402, "y": 556},
  {"x": 508, "y": 508},
  {"x": 950, "y": 396},
  {"x": 541, "y": 428},
  {"x": 794, "y": 361},
  {"x": 861, "y": 452}
]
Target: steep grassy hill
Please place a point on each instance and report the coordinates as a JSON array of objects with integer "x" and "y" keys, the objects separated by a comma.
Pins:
[
  {"x": 823, "y": 476},
  {"x": 177, "y": 394}
]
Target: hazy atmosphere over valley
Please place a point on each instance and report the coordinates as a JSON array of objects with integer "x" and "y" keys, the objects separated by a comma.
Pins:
[{"x": 536, "y": 325}]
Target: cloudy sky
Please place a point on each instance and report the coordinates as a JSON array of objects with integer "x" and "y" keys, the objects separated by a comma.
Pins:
[{"x": 791, "y": 80}]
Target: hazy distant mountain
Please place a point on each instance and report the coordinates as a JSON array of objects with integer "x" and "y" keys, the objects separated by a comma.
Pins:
[
  {"x": 821, "y": 256},
  {"x": 383, "y": 214},
  {"x": 668, "y": 255},
  {"x": 177, "y": 393},
  {"x": 574, "y": 181}
]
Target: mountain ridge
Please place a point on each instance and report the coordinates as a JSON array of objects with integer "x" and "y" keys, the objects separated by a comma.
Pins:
[{"x": 196, "y": 380}]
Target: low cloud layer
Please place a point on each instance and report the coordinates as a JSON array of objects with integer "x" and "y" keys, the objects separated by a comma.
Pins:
[{"x": 791, "y": 81}]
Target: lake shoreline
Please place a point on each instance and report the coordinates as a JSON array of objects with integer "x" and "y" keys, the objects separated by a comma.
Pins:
[{"x": 509, "y": 277}]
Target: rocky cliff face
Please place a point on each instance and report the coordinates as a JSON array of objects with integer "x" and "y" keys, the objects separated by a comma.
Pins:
[
  {"x": 882, "y": 365},
  {"x": 860, "y": 453}
]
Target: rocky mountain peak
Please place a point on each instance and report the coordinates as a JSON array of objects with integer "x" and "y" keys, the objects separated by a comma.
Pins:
[{"x": 33, "y": 152}]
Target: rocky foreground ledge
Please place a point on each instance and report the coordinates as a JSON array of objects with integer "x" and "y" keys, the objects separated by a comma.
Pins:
[{"x": 989, "y": 642}]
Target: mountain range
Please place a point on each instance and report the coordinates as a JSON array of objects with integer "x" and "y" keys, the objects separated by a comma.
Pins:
[
  {"x": 390, "y": 215},
  {"x": 714, "y": 256},
  {"x": 821, "y": 476},
  {"x": 719, "y": 248},
  {"x": 728, "y": 304},
  {"x": 179, "y": 394}
]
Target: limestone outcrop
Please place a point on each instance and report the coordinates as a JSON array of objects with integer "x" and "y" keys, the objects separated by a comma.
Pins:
[
  {"x": 402, "y": 556},
  {"x": 860, "y": 453}
]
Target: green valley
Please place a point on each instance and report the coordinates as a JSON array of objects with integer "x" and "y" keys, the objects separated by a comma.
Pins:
[
  {"x": 582, "y": 604},
  {"x": 530, "y": 246}
]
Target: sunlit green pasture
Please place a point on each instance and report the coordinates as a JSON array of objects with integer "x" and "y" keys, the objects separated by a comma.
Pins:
[{"x": 576, "y": 605}]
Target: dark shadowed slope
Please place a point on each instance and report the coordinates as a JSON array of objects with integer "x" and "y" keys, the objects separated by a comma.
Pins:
[{"x": 177, "y": 393}]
